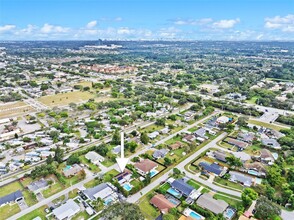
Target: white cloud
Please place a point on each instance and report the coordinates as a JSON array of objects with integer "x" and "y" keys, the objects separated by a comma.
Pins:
[
  {"x": 202, "y": 21},
  {"x": 7, "y": 27},
  {"x": 48, "y": 28},
  {"x": 118, "y": 19},
  {"x": 91, "y": 24},
  {"x": 285, "y": 24},
  {"x": 225, "y": 24}
]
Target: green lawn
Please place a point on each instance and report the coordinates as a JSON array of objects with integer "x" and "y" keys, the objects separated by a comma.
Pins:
[
  {"x": 107, "y": 162},
  {"x": 205, "y": 190},
  {"x": 73, "y": 194},
  {"x": 147, "y": 209},
  {"x": 194, "y": 184},
  {"x": 165, "y": 187},
  {"x": 231, "y": 201},
  {"x": 109, "y": 175},
  {"x": 8, "y": 210},
  {"x": 30, "y": 198},
  {"x": 193, "y": 129},
  {"x": 266, "y": 125},
  {"x": 81, "y": 216},
  {"x": 54, "y": 188},
  {"x": 92, "y": 183},
  {"x": 91, "y": 166},
  {"x": 228, "y": 183},
  {"x": 10, "y": 188},
  {"x": 37, "y": 212}
]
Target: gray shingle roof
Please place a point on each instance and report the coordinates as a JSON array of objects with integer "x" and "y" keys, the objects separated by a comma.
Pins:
[
  {"x": 208, "y": 202},
  {"x": 11, "y": 197}
]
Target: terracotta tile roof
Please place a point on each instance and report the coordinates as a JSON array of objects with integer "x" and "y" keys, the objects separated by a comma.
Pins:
[
  {"x": 146, "y": 165},
  {"x": 161, "y": 203}
]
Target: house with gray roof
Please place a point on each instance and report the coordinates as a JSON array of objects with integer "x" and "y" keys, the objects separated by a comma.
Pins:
[
  {"x": 207, "y": 201},
  {"x": 10, "y": 198},
  {"x": 181, "y": 186},
  {"x": 102, "y": 191},
  {"x": 67, "y": 210},
  {"x": 38, "y": 186},
  {"x": 201, "y": 132},
  {"x": 160, "y": 153},
  {"x": 241, "y": 178},
  {"x": 272, "y": 143}
]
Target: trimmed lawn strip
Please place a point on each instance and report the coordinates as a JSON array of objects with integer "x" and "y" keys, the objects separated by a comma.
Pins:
[
  {"x": 37, "y": 212},
  {"x": 8, "y": 210}
]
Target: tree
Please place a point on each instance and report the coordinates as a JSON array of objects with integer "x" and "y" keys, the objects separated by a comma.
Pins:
[
  {"x": 49, "y": 159},
  {"x": 248, "y": 195},
  {"x": 121, "y": 211},
  {"x": 167, "y": 161},
  {"x": 266, "y": 210},
  {"x": 242, "y": 121},
  {"x": 160, "y": 122},
  {"x": 144, "y": 138},
  {"x": 82, "y": 174},
  {"x": 59, "y": 155},
  {"x": 116, "y": 137},
  {"x": 73, "y": 159},
  {"x": 168, "y": 217}
]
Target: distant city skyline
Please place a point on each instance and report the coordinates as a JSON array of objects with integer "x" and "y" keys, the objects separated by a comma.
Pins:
[{"x": 254, "y": 20}]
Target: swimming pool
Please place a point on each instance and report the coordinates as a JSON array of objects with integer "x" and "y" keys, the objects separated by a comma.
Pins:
[
  {"x": 193, "y": 214},
  {"x": 153, "y": 173},
  {"x": 173, "y": 200},
  {"x": 108, "y": 200},
  {"x": 253, "y": 172},
  {"x": 127, "y": 186},
  {"x": 229, "y": 213},
  {"x": 174, "y": 193},
  {"x": 68, "y": 167}
]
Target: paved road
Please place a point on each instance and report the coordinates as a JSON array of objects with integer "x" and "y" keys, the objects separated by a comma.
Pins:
[
  {"x": 134, "y": 198},
  {"x": 286, "y": 215}
]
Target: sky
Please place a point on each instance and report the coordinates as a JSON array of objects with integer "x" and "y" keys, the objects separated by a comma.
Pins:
[{"x": 238, "y": 20}]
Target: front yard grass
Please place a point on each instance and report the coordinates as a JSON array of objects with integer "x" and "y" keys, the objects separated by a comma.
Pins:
[
  {"x": 91, "y": 166},
  {"x": 228, "y": 183},
  {"x": 37, "y": 212},
  {"x": 266, "y": 125},
  {"x": 193, "y": 183},
  {"x": 8, "y": 210},
  {"x": 54, "y": 188},
  {"x": 147, "y": 209},
  {"x": 231, "y": 201},
  {"x": 10, "y": 188}
]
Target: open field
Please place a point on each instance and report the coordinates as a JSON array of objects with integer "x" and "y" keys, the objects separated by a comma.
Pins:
[
  {"x": 14, "y": 109},
  {"x": 147, "y": 209},
  {"x": 267, "y": 125},
  {"x": 66, "y": 98}
]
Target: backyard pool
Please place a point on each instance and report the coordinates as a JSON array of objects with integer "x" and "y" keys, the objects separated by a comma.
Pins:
[
  {"x": 127, "y": 186},
  {"x": 174, "y": 193},
  {"x": 153, "y": 173},
  {"x": 253, "y": 172},
  {"x": 229, "y": 213},
  {"x": 107, "y": 201},
  {"x": 68, "y": 167},
  {"x": 193, "y": 214}
]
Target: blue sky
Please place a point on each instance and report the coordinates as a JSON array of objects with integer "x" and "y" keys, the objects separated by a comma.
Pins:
[{"x": 147, "y": 19}]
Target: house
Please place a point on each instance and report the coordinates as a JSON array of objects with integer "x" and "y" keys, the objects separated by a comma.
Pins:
[
  {"x": 181, "y": 186},
  {"x": 164, "y": 130},
  {"x": 242, "y": 156},
  {"x": 103, "y": 191},
  {"x": 67, "y": 210},
  {"x": 160, "y": 153},
  {"x": 189, "y": 138},
  {"x": 272, "y": 143},
  {"x": 10, "y": 198},
  {"x": 222, "y": 120},
  {"x": 237, "y": 143},
  {"x": 72, "y": 170},
  {"x": 212, "y": 168},
  {"x": 176, "y": 145},
  {"x": 160, "y": 202},
  {"x": 117, "y": 149},
  {"x": 124, "y": 176},
  {"x": 145, "y": 166},
  {"x": 207, "y": 202},
  {"x": 240, "y": 178},
  {"x": 248, "y": 137},
  {"x": 255, "y": 168},
  {"x": 220, "y": 155},
  {"x": 201, "y": 132},
  {"x": 266, "y": 156},
  {"x": 94, "y": 157},
  {"x": 153, "y": 135},
  {"x": 38, "y": 186}
]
